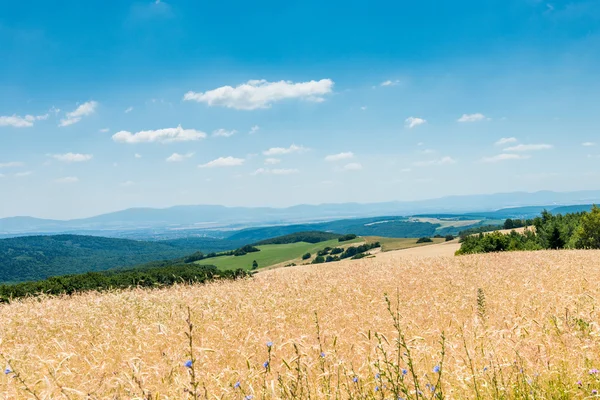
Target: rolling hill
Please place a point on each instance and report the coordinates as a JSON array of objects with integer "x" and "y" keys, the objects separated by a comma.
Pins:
[{"x": 38, "y": 257}]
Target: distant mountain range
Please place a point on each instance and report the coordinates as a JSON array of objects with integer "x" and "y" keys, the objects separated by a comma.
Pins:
[{"x": 213, "y": 217}]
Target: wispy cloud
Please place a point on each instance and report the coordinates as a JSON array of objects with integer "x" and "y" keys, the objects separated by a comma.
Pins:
[
  {"x": 504, "y": 157},
  {"x": 588, "y": 144},
  {"x": 412, "y": 122},
  {"x": 224, "y": 133},
  {"x": 21, "y": 122},
  {"x": 505, "y": 140},
  {"x": 272, "y": 161},
  {"x": 390, "y": 83},
  {"x": 352, "y": 167},
  {"x": 67, "y": 179},
  {"x": 254, "y": 129},
  {"x": 257, "y": 94},
  {"x": 23, "y": 174},
  {"x": 12, "y": 164},
  {"x": 128, "y": 110},
  {"x": 277, "y": 151},
  {"x": 223, "y": 162},
  {"x": 472, "y": 118},
  {"x": 72, "y": 157},
  {"x": 85, "y": 109},
  {"x": 282, "y": 171},
  {"x": 166, "y": 135},
  {"x": 442, "y": 161},
  {"x": 104, "y": 130},
  {"x": 528, "y": 147},
  {"x": 127, "y": 183},
  {"x": 340, "y": 156},
  {"x": 137, "y": 155},
  {"x": 176, "y": 157}
]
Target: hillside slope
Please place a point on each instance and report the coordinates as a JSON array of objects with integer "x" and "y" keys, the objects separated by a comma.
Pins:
[{"x": 38, "y": 257}]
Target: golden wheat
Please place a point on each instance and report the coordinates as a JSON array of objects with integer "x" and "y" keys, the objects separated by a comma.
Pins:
[{"x": 515, "y": 325}]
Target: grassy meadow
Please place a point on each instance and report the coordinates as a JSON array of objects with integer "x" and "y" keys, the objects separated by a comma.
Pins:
[
  {"x": 273, "y": 254},
  {"x": 507, "y": 326}
]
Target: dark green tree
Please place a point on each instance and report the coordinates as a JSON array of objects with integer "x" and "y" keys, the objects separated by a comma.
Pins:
[{"x": 254, "y": 265}]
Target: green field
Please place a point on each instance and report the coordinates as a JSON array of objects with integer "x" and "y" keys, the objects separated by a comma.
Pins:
[
  {"x": 390, "y": 244},
  {"x": 273, "y": 254}
]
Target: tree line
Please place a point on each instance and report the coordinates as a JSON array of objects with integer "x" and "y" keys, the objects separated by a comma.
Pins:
[
  {"x": 569, "y": 231},
  {"x": 157, "y": 274}
]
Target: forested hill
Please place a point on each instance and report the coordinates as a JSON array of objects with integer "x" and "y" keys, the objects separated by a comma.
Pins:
[{"x": 39, "y": 257}]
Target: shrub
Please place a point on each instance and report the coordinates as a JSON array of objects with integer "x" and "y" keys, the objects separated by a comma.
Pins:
[
  {"x": 306, "y": 256},
  {"x": 337, "y": 250},
  {"x": 254, "y": 265},
  {"x": 449, "y": 238},
  {"x": 318, "y": 260},
  {"x": 424, "y": 240}
]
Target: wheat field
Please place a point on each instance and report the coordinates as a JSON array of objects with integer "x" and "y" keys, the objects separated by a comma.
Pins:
[{"x": 515, "y": 325}]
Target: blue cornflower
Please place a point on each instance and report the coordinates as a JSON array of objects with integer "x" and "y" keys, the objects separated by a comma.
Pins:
[
  {"x": 249, "y": 397},
  {"x": 377, "y": 376},
  {"x": 322, "y": 355},
  {"x": 355, "y": 379},
  {"x": 237, "y": 385},
  {"x": 377, "y": 388},
  {"x": 269, "y": 344},
  {"x": 432, "y": 388},
  {"x": 484, "y": 369},
  {"x": 266, "y": 364},
  {"x": 436, "y": 369},
  {"x": 188, "y": 363},
  {"x": 404, "y": 372},
  {"x": 7, "y": 371}
]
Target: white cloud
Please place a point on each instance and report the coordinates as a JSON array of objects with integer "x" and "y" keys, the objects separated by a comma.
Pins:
[
  {"x": 256, "y": 94},
  {"x": 67, "y": 179},
  {"x": 75, "y": 116},
  {"x": 11, "y": 164},
  {"x": 272, "y": 161},
  {"x": 406, "y": 170},
  {"x": 442, "y": 161},
  {"x": 137, "y": 155},
  {"x": 340, "y": 156},
  {"x": 223, "y": 162},
  {"x": 428, "y": 151},
  {"x": 254, "y": 129},
  {"x": 588, "y": 144},
  {"x": 420, "y": 144},
  {"x": 281, "y": 171},
  {"x": 363, "y": 108},
  {"x": 176, "y": 157},
  {"x": 224, "y": 133},
  {"x": 127, "y": 183},
  {"x": 54, "y": 110},
  {"x": 72, "y": 157},
  {"x": 128, "y": 110},
  {"x": 21, "y": 122},
  {"x": 389, "y": 83},
  {"x": 506, "y": 140},
  {"x": 104, "y": 130},
  {"x": 529, "y": 147},
  {"x": 166, "y": 135},
  {"x": 472, "y": 118},
  {"x": 352, "y": 167},
  {"x": 2, "y": 176},
  {"x": 504, "y": 157},
  {"x": 412, "y": 122},
  {"x": 23, "y": 174},
  {"x": 275, "y": 151}
]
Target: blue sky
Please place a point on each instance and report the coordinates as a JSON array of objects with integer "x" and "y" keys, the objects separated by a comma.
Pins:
[{"x": 106, "y": 105}]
